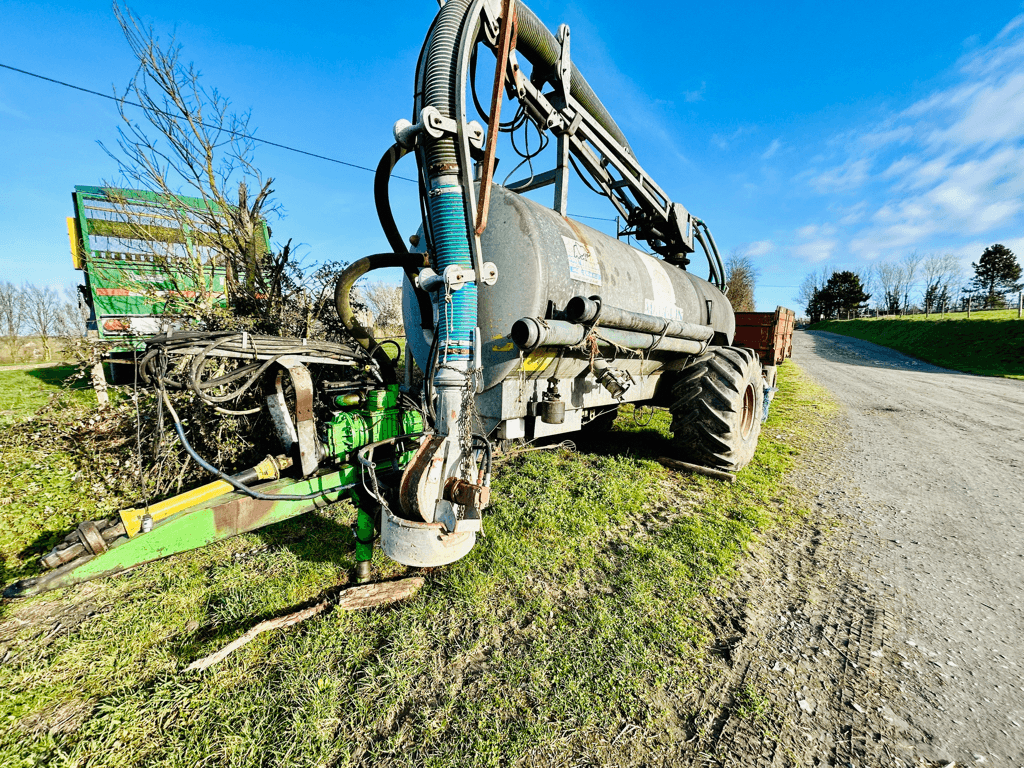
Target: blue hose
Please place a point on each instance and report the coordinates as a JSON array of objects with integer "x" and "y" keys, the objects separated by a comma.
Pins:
[{"x": 457, "y": 313}]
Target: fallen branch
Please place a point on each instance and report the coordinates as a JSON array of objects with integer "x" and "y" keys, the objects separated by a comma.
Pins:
[
  {"x": 356, "y": 598},
  {"x": 715, "y": 473}
]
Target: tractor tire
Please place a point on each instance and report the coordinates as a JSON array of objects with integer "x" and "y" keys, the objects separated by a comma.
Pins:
[{"x": 716, "y": 410}]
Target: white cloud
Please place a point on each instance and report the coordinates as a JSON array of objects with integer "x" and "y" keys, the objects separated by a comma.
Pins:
[
  {"x": 949, "y": 165},
  {"x": 773, "y": 148},
  {"x": 814, "y": 230},
  {"x": 697, "y": 95},
  {"x": 816, "y": 250},
  {"x": 725, "y": 141},
  {"x": 853, "y": 213},
  {"x": 849, "y": 175},
  {"x": 10, "y": 111},
  {"x": 757, "y": 248}
]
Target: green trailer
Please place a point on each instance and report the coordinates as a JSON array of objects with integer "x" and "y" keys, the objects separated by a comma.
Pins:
[{"x": 144, "y": 255}]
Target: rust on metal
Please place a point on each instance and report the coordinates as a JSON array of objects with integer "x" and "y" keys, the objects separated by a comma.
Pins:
[
  {"x": 770, "y": 334},
  {"x": 242, "y": 514},
  {"x": 506, "y": 44}
]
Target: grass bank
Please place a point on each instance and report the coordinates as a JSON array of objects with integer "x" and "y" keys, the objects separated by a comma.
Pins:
[
  {"x": 990, "y": 343},
  {"x": 24, "y": 392},
  {"x": 570, "y": 634}
]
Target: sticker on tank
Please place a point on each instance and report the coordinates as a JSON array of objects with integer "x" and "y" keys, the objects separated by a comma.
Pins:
[
  {"x": 582, "y": 265},
  {"x": 668, "y": 311}
]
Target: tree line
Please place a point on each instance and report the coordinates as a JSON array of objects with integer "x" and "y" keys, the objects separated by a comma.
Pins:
[
  {"x": 43, "y": 313},
  {"x": 910, "y": 284}
]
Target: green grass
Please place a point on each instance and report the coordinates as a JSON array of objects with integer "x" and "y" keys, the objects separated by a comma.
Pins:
[
  {"x": 990, "y": 343},
  {"x": 581, "y": 611},
  {"x": 22, "y": 393}
]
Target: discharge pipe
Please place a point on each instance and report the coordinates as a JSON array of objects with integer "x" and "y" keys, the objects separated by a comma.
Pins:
[
  {"x": 580, "y": 309},
  {"x": 528, "y": 333}
]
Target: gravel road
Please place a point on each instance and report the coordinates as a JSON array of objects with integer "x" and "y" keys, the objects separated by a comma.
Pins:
[{"x": 936, "y": 462}]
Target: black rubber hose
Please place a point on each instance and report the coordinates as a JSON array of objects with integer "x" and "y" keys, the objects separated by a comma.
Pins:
[
  {"x": 343, "y": 303},
  {"x": 382, "y": 200},
  {"x": 541, "y": 49},
  {"x": 238, "y": 486}
]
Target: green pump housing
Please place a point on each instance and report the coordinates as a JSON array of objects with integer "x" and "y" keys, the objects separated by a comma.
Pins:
[{"x": 380, "y": 418}]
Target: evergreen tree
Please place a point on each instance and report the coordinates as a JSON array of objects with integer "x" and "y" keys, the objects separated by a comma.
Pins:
[
  {"x": 843, "y": 294},
  {"x": 995, "y": 274}
]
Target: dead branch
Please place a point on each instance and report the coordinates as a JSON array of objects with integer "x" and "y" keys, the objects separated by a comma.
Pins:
[{"x": 353, "y": 599}]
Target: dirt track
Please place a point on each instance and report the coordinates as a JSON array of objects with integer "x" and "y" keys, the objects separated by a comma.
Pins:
[{"x": 936, "y": 464}]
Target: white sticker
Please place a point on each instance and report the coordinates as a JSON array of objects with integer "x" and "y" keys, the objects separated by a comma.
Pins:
[
  {"x": 668, "y": 311},
  {"x": 582, "y": 265}
]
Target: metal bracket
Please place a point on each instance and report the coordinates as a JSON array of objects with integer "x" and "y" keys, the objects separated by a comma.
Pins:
[
  {"x": 563, "y": 64},
  {"x": 454, "y": 277},
  {"x": 434, "y": 124},
  {"x": 301, "y": 432},
  {"x": 492, "y": 21}
]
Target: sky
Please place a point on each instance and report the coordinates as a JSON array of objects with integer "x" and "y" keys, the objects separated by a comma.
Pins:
[{"x": 805, "y": 134}]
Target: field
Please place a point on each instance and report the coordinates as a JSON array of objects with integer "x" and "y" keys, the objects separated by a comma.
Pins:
[
  {"x": 577, "y": 622},
  {"x": 23, "y": 392},
  {"x": 990, "y": 343}
]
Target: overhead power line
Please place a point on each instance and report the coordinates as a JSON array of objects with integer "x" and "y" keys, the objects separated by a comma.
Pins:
[
  {"x": 226, "y": 130},
  {"x": 205, "y": 125}
]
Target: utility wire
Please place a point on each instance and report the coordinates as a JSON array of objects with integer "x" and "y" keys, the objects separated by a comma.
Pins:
[
  {"x": 226, "y": 130},
  {"x": 205, "y": 125}
]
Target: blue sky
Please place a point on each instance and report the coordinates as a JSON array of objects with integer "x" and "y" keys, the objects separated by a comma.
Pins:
[{"x": 804, "y": 134}]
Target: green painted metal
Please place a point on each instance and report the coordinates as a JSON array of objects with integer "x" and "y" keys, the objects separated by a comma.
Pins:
[
  {"x": 142, "y": 254},
  {"x": 199, "y": 526},
  {"x": 380, "y": 420},
  {"x": 365, "y": 525}
]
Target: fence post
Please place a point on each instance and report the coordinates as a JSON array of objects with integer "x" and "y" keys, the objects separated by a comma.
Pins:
[
  {"x": 968, "y": 307},
  {"x": 1020, "y": 303}
]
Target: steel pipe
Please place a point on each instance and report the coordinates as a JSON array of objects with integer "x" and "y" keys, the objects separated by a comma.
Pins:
[
  {"x": 580, "y": 309},
  {"x": 528, "y": 333}
]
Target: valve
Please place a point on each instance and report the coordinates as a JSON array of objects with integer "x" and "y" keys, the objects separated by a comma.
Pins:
[
  {"x": 552, "y": 406},
  {"x": 616, "y": 382}
]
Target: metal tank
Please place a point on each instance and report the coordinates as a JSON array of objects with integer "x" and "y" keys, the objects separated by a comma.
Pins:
[{"x": 543, "y": 261}]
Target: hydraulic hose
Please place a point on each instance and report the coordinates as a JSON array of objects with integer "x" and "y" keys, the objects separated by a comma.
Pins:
[
  {"x": 446, "y": 202},
  {"x": 382, "y": 200},
  {"x": 235, "y": 482},
  {"x": 541, "y": 49},
  {"x": 343, "y": 303}
]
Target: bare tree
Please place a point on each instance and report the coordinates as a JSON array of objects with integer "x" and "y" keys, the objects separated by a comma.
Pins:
[
  {"x": 741, "y": 276},
  {"x": 911, "y": 268},
  {"x": 868, "y": 280},
  {"x": 42, "y": 311},
  {"x": 12, "y": 316},
  {"x": 384, "y": 301},
  {"x": 889, "y": 281},
  {"x": 190, "y": 143},
  {"x": 941, "y": 274},
  {"x": 812, "y": 284},
  {"x": 72, "y": 314}
]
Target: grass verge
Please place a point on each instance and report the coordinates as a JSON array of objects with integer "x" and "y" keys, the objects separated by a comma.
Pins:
[
  {"x": 989, "y": 344},
  {"x": 577, "y": 619},
  {"x": 24, "y": 392}
]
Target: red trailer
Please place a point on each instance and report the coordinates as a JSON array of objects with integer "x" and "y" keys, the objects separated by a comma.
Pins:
[{"x": 770, "y": 334}]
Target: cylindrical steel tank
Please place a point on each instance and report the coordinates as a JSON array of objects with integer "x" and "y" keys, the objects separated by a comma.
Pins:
[{"x": 544, "y": 260}]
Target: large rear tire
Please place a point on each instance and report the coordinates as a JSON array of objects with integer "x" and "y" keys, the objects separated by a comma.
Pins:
[{"x": 716, "y": 410}]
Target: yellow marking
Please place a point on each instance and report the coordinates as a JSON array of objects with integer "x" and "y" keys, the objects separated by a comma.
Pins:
[
  {"x": 76, "y": 252},
  {"x": 132, "y": 518},
  {"x": 502, "y": 347},
  {"x": 539, "y": 360}
]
